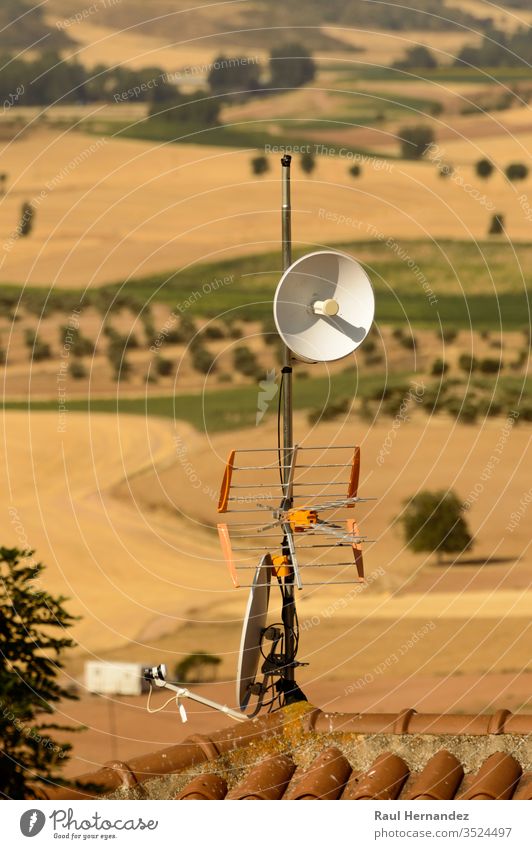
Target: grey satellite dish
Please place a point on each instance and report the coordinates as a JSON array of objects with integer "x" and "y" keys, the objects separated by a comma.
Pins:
[
  {"x": 254, "y": 625},
  {"x": 324, "y": 306}
]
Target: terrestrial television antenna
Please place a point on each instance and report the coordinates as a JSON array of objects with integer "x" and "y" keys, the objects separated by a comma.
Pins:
[{"x": 323, "y": 310}]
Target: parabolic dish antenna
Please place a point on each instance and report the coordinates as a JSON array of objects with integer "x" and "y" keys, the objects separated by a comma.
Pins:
[
  {"x": 254, "y": 624},
  {"x": 324, "y": 306}
]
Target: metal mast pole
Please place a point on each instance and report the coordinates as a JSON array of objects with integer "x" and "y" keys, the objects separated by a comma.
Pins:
[{"x": 288, "y": 427}]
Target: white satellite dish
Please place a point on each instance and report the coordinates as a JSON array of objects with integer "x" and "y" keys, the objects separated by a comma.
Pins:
[
  {"x": 324, "y": 306},
  {"x": 254, "y": 625}
]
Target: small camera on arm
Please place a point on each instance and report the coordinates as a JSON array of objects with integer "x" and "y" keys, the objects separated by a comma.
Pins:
[{"x": 155, "y": 673}]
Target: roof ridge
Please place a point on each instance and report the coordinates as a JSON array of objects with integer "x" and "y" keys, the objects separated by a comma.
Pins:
[{"x": 293, "y": 723}]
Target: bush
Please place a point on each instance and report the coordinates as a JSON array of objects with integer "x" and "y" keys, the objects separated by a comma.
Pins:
[
  {"x": 245, "y": 361},
  {"x": 174, "y": 337},
  {"x": 397, "y": 333},
  {"x": 163, "y": 366},
  {"x": 467, "y": 363},
  {"x": 197, "y": 668},
  {"x": 496, "y": 225},
  {"x": 234, "y": 74},
  {"x": 433, "y": 522},
  {"x": 259, "y": 165},
  {"x": 212, "y": 331},
  {"x": 78, "y": 345},
  {"x": 235, "y": 332},
  {"x": 408, "y": 342},
  {"x": 484, "y": 168},
  {"x": 449, "y": 334},
  {"x": 516, "y": 171},
  {"x": 415, "y": 141},
  {"x": 27, "y": 216},
  {"x": 291, "y": 66},
  {"x": 38, "y": 350},
  {"x": 525, "y": 411},
  {"x": 419, "y": 57},
  {"x": 77, "y": 370},
  {"x": 439, "y": 367},
  {"x": 121, "y": 367},
  {"x": 463, "y": 409},
  {"x": 489, "y": 407},
  {"x": 118, "y": 344},
  {"x": 446, "y": 170},
  {"x": 187, "y": 328},
  {"x": 308, "y": 163},
  {"x": 490, "y": 365},
  {"x": 149, "y": 331},
  {"x": 202, "y": 360},
  {"x": 355, "y": 170}
]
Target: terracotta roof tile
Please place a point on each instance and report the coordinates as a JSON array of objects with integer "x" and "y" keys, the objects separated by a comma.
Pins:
[
  {"x": 524, "y": 788},
  {"x": 268, "y": 780},
  {"x": 208, "y": 786},
  {"x": 383, "y": 780},
  {"x": 439, "y": 780},
  {"x": 496, "y": 778},
  {"x": 325, "y": 779}
]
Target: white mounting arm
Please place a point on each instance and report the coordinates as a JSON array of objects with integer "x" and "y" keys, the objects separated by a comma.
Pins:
[{"x": 183, "y": 693}]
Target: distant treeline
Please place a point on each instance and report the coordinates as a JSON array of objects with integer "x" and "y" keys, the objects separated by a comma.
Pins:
[
  {"x": 48, "y": 79},
  {"x": 394, "y": 14},
  {"x": 22, "y": 24},
  {"x": 517, "y": 4},
  {"x": 500, "y": 49}
]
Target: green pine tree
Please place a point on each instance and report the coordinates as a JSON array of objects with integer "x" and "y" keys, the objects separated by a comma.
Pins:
[{"x": 33, "y": 638}]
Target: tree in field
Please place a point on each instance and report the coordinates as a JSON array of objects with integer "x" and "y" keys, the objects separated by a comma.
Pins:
[
  {"x": 496, "y": 225},
  {"x": 234, "y": 74},
  {"x": 27, "y": 214},
  {"x": 467, "y": 363},
  {"x": 308, "y": 163},
  {"x": 355, "y": 170},
  {"x": 259, "y": 165},
  {"x": 516, "y": 171},
  {"x": 197, "y": 668},
  {"x": 415, "y": 141},
  {"x": 484, "y": 168},
  {"x": 291, "y": 66},
  {"x": 417, "y": 56},
  {"x": 33, "y": 638},
  {"x": 433, "y": 521}
]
